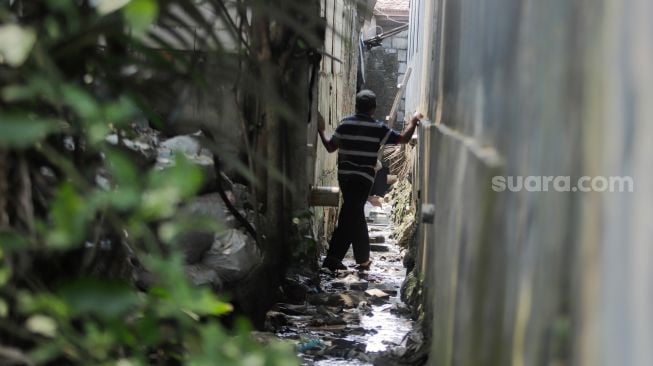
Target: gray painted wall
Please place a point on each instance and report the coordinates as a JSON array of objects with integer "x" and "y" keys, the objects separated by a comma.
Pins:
[{"x": 535, "y": 88}]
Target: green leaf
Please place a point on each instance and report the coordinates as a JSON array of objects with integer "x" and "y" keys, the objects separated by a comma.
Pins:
[
  {"x": 69, "y": 216},
  {"x": 120, "y": 111},
  {"x": 97, "y": 132},
  {"x": 65, "y": 6},
  {"x": 35, "y": 89},
  {"x": 43, "y": 325},
  {"x": 147, "y": 328},
  {"x": 109, "y": 299},
  {"x": 47, "y": 351},
  {"x": 109, "y": 6},
  {"x": 10, "y": 240},
  {"x": 16, "y": 43},
  {"x": 122, "y": 169},
  {"x": 208, "y": 304},
  {"x": 160, "y": 203},
  {"x": 183, "y": 175},
  {"x": 5, "y": 275},
  {"x": 4, "y": 308},
  {"x": 178, "y": 294},
  {"x": 98, "y": 341},
  {"x": 20, "y": 130},
  {"x": 126, "y": 192},
  {"x": 127, "y": 362},
  {"x": 167, "y": 187},
  {"x": 140, "y": 14},
  {"x": 29, "y": 303},
  {"x": 81, "y": 101},
  {"x": 208, "y": 353},
  {"x": 120, "y": 198}
]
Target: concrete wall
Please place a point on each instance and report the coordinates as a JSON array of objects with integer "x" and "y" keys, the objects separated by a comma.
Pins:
[
  {"x": 184, "y": 106},
  {"x": 385, "y": 66},
  {"x": 535, "y": 88}
]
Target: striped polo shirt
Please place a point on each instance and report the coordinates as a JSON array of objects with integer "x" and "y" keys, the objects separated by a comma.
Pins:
[{"x": 359, "y": 138}]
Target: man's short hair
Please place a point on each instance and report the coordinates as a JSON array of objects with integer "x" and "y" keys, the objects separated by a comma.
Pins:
[{"x": 365, "y": 101}]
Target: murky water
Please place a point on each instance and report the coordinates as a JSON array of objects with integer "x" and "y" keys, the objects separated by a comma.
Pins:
[{"x": 374, "y": 324}]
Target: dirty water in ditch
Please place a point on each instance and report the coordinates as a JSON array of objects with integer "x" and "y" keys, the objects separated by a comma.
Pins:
[{"x": 359, "y": 315}]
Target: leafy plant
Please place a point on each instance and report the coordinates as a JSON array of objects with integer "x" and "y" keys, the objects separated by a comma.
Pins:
[
  {"x": 75, "y": 207},
  {"x": 305, "y": 250}
]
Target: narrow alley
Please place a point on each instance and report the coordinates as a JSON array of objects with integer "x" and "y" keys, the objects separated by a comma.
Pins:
[{"x": 359, "y": 316}]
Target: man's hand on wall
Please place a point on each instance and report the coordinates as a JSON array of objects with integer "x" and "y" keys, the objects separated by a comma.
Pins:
[
  {"x": 417, "y": 116},
  {"x": 407, "y": 134}
]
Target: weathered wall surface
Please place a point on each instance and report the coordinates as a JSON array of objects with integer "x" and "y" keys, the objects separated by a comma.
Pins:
[
  {"x": 385, "y": 67},
  {"x": 381, "y": 68},
  {"x": 336, "y": 90},
  {"x": 185, "y": 107},
  {"x": 535, "y": 88}
]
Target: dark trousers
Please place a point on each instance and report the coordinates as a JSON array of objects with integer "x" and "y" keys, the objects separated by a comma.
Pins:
[{"x": 352, "y": 227}]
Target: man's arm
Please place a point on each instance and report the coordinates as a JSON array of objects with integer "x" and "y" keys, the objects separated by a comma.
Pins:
[
  {"x": 329, "y": 144},
  {"x": 407, "y": 134}
]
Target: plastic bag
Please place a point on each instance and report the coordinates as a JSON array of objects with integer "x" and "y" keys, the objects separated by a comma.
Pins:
[{"x": 232, "y": 256}]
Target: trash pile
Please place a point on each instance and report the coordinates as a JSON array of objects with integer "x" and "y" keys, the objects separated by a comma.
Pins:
[{"x": 217, "y": 257}]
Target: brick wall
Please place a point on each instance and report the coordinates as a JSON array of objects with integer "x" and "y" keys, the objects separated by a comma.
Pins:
[{"x": 385, "y": 66}]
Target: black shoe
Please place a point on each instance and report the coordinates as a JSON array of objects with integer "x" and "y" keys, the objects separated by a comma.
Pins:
[
  {"x": 365, "y": 266},
  {"x": 333, "y": 264}
]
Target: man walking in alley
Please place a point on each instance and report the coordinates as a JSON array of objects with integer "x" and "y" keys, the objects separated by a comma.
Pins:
[{"x": 358, "y": 139}]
